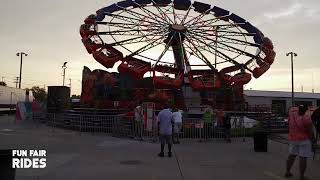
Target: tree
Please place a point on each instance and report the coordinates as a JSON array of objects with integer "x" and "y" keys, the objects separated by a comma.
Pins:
[
  {"x": 2, "y": 83},
  {"x": 39, "y": 94},
  {"x": 74, "y": 96}
]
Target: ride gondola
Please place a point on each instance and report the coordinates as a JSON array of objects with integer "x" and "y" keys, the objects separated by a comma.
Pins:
[
  {"x": 134, "y": 67},
  {"x": 107, "y": 56},
  {"x": 165, "y": 81}
]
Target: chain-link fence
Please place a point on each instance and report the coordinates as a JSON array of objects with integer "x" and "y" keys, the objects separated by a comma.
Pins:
[{"x": 124, "y": 126}]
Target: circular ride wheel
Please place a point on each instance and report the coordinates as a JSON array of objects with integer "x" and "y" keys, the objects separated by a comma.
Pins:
[{"x": 169, "y": 40}]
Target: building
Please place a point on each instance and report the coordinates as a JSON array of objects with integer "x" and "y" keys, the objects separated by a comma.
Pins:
[
  {"x": 10, "y": 96},
  {"x": 279, "y": 101}
]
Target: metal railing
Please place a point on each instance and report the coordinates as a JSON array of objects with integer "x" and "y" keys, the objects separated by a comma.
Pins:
[{"x": 123, "y": 126}]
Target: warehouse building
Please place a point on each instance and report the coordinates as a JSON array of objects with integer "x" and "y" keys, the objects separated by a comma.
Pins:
[{"x": 278, "y": 101}]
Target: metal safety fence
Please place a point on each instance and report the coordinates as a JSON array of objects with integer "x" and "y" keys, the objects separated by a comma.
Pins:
[{"x": 123, "y": 126}]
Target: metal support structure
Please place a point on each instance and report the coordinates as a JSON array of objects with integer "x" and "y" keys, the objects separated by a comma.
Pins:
[
  {"x": 64, "y": 67},
  {"x": 147, "y": 25},
  {"x": 292, "y": 54},
  {"x": 213, "y": 41},
  {"x": 21, "y": 54}
]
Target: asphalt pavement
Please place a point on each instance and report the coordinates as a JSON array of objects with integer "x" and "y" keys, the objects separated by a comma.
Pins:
[{"x": 75, "y": 156}]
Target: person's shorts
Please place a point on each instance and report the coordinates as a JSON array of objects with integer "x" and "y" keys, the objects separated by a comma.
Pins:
[
  {"x": 165, "y": 139},
  {"x": 177, "y": 127},
  {"x": 301, "y": 148}
]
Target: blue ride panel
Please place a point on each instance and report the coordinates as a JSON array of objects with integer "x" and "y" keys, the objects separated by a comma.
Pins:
[
  {"x": 162, "y": 2},
  {"x": 111, "y": 9},
  {"x": 219, "y": 11},
  {"x": 143, "y": 2},
  {"x": 100, "y": 15},
  {"x": 258, "y": 36},
  {"x": 126, "y": 3},
  {"x": 236, "y": 19},
  {"x": 201, "y": 7},
  {"x": 181, "y": 4}
]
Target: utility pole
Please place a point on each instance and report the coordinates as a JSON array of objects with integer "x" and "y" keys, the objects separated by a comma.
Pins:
[
  {"x": 292, "y": 54},
  {"x": 64, "y": 67},
  {"x": 2, "y": 77},
  {"x": 312, "y": 84},
  {"x": 16, "y": 81},
  {"x": 70, "y": 84},
  {"x": 21, "y": 54}
]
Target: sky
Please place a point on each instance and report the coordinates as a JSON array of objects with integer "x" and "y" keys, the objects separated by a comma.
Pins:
[{"x": 48, "y": 31}]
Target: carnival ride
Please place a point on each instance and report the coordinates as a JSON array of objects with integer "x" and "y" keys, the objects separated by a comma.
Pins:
[{"x": 177, "y": 42}]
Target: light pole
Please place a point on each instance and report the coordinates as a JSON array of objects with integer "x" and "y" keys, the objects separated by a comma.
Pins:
[
  {"x": 64, "y": 67},
  {"x": 292, "y": 54},
  {"x": 21, "y": 54}
]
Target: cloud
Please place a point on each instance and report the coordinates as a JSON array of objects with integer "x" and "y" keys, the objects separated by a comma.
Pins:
[
  {"x": 303, "y": 12},
  {"x": 285, "y": 12}
]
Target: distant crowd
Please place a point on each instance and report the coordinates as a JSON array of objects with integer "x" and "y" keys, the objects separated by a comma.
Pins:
[{"x": 169, "y": 123}]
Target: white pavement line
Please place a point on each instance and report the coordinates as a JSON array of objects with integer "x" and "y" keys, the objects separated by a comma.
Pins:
[
  {"x": 270, "y": 174},
  {"x": 6, "y": 134}
]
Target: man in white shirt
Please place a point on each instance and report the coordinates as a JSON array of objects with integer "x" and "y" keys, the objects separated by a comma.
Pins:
[
  {"x": 138, "y": 120},
  {"x": 177, "y": 118},
  {"x": 165, "y": 130}
]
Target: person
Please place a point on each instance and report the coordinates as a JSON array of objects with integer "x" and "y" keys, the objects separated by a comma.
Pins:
[
  {"x": 165, "y": 119},
  {"x": 177, "y": 118},
  {"x": 316, "y": 120},
  {"x": 220, "y": 114},
  {"x": 315, "y": 117},
  {"x": 138, "y": 119},
  {"x": 207, "y": 122},
  {"x": 227, "y": 127},
  {"x": 300, "y": 137}
]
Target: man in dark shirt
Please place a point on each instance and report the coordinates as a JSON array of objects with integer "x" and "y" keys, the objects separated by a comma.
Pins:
[
  {"x": 227, "y": 126},
  {"x": 316, "y": 120}
]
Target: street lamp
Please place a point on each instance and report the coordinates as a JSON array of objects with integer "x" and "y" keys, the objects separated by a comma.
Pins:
[
  {"x": 21, "y": 54},
  {"x": 64, "y": 67},
  {"x": 292, "y": 54}
]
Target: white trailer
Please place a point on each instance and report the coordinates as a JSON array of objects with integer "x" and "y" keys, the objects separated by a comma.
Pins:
[{"x": 10, "y": 96}]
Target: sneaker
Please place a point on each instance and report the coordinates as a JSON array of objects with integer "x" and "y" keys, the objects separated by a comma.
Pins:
[
  {"x": 169, "y": 154},
  {"x": 161, "y": 154},
  {"x": 288, "y": 175}
]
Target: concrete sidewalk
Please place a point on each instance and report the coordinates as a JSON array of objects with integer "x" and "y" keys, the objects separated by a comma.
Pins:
[{"x": 75, "y": 157}]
